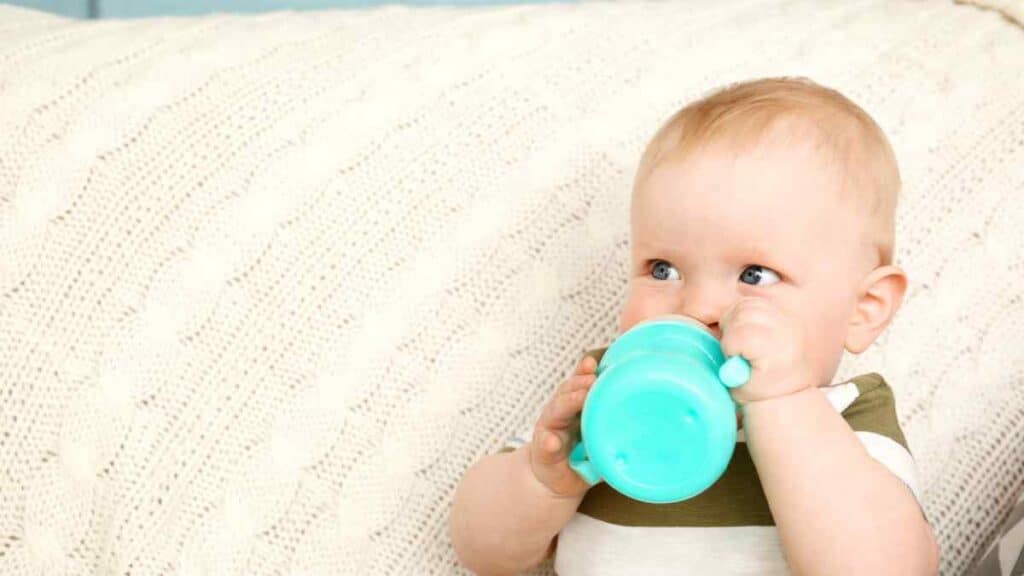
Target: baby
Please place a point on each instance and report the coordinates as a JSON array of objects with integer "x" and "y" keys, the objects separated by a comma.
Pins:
[{"x": 766, "y": 211}]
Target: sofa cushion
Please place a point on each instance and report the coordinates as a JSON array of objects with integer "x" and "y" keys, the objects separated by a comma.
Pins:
[{"x": 270, "y": 283}]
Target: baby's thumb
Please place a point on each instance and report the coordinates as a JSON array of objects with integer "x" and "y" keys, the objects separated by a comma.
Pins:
[{"x": 552, "y": 446}]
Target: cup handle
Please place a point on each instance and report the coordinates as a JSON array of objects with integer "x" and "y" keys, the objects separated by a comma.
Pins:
[
  {"x": 578, "y": 462},
  {"x": 734, "y": 372}
]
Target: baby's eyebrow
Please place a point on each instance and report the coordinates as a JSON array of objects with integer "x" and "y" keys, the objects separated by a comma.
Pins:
[
  {"x": 752, "y": 251},
  {"x": 755, "y": 250},
  {"x": 667, "y": 250}
]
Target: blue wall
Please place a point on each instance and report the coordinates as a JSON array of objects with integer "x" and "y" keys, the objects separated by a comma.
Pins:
[
  {"x": 142, "y": 8},
  {"x": 75, "y": 8}
]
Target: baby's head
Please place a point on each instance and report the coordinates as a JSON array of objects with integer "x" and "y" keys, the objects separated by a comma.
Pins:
[{"x": 778, "y": 188}]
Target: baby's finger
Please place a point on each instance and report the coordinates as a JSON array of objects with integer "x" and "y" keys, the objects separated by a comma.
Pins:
[
  {"x": 586, "y": 366},
  {"x": 551, "y": 445},
  {"x": 572, "y": 382},
  {"x": 577, "y": 382},
  {"x": 559, "y": 413}
]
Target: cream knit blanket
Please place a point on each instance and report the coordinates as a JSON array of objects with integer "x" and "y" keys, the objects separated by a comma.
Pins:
[{"x": 270, "y": 283}]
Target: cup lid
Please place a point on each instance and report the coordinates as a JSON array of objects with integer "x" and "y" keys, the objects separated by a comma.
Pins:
[
  {"x": 661, "y": 332},
  {"x": 678, "y": 318},
  {"x": 655, "y": 432}
]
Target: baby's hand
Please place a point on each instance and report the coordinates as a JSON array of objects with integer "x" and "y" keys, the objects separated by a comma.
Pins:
[
  {"x": 774, "y": 344},
  {"x": 554, "y": 431}
]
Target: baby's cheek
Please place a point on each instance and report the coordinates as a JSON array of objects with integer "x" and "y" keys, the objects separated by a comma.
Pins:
[
  {"x": 638, "y": 308},
  {"x": 824, "y": 349},
  {"x": 635, "y": 309},
  {"x": 631, "y": 315}
]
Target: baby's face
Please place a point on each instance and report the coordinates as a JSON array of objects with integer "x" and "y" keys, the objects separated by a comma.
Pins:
[{"x": 721, "y": 225}]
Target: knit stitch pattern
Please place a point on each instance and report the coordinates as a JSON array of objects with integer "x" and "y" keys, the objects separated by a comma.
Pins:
[{"x": 270, "y": 283}]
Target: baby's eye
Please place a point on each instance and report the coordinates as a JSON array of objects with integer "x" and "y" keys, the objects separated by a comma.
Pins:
[
  {"x": 754, "y": 273},
  {"x": 661, "y": 269}
]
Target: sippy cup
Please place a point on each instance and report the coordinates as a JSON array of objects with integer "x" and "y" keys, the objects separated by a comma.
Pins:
[{"x": 658, "y": 424}]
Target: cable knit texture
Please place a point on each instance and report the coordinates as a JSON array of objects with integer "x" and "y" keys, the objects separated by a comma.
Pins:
[{"x": 270, "y": 283}]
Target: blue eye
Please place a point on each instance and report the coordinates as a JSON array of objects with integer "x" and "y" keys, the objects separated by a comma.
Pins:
[
  {"x": 752, "y": 274},
  {"x": 661, "y": 268}
]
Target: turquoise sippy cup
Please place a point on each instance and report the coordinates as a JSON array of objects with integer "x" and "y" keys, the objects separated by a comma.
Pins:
[{"x": 658, "y": 424}]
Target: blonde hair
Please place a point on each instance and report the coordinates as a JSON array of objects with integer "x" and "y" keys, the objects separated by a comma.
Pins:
[{"x": 743, "y": 114}]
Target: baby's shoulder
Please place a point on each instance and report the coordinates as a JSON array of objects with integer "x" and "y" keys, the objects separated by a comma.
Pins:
[
  {"x": 867, "y": 392},
  {"x": 868, "y": 405}
]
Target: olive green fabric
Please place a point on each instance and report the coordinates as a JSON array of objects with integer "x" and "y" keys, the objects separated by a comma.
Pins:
[
  {"x": 735, "y": 499},
  {"x": 875, "y": 409}
]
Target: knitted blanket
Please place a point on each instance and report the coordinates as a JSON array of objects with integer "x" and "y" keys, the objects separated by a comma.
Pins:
[{"x": 270, "y": 283}]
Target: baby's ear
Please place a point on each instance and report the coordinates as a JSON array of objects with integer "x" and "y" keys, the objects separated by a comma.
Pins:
[{"x": 878, "y": 298}]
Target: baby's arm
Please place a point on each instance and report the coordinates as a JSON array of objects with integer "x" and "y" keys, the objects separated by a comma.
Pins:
[
  {"x": 504, "y": 520},
  {"x": 509, "y": 507},
  {"x": 837, "y": 509}
]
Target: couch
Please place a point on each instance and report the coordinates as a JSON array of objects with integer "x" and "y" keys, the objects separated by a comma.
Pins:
[{"x": 270, "y": 283}]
